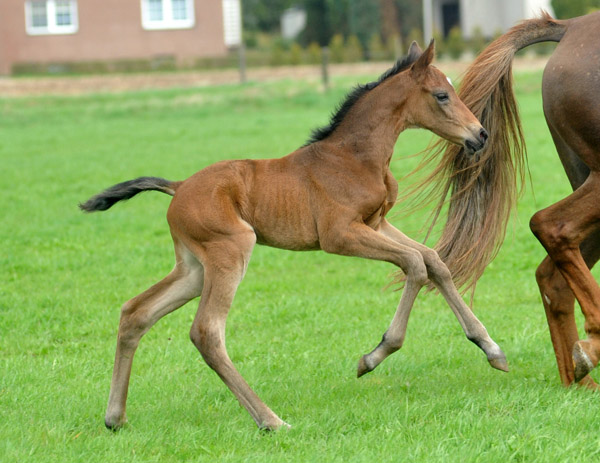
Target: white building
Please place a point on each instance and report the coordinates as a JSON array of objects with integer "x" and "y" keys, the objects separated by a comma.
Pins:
[
  {"x": 293, "y": 21},
  {"x": 490, "y": 16}
]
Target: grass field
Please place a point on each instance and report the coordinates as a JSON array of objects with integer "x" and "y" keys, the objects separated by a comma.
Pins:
[{"x": 300, "y": 321}]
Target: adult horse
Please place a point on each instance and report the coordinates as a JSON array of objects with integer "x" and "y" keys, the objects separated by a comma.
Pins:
[
  {"x": 331, "y": 194},
  {"x": 484, "y": 188}
]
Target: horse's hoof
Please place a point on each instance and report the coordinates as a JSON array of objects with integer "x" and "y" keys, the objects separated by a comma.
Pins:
[
  {"x": 499, "y": 363},
  {"x": 363, "y": 368},
  {"x": 582, "y": 363}
]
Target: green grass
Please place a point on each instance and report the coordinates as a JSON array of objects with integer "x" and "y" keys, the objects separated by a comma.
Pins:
[{"x": 300, "y": 320}]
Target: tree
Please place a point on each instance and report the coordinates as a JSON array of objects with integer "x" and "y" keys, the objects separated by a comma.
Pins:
[
  {"x": 264, "y": 15},
  {"x": 570, "y": 8},
  {"x": 390, "y": 23},
  {"x": 410, "y": 13},
  {"x": 318, "y": 25},
  {"x": 364, "y": 19}
]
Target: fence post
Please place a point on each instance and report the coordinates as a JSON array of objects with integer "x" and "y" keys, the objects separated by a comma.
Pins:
[
  {"x": 325, "y": 66},
  {"x": 242, "y": 61}
]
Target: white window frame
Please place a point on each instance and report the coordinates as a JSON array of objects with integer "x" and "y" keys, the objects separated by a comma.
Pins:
[
  {"x": 167, "y": 22},
  {"x": 52, "y": 27},
  {"x": 232, "y": 22}
]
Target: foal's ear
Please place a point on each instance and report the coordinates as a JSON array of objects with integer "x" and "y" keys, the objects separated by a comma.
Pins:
[
  {"x": 414, "y": 49},
  {"x": 425, "y": 59}
]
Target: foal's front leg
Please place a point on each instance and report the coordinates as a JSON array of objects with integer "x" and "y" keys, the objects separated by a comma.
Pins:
[
  {"x": 361, "y": 241},
  {"x": 393, "y": 338},
  {"x": 440, "y": 276}
]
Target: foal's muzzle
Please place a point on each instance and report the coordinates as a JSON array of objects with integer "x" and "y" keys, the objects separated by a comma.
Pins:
[{"x": 474, "y": 144}]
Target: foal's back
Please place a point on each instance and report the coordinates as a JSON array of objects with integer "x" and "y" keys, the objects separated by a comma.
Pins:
[{"x": 287, "y": 202}]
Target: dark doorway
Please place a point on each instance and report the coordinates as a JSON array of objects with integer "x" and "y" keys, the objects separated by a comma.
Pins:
[{"x": 450, "y": 17}]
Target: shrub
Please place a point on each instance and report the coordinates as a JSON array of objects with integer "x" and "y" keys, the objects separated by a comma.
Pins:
[
  {"x": 440, "y": 44},
  {"x": 477, "y": 42},
  {"x": 416, "y": 35},
  {"x": 277, "y": 54},
  {"x": 314, "y": 53},
  {"x": 377, "y": 51},
  {"x": 455, "y": 43},
  {"x": 296, "y": 54},
  {"x": 354, "y": 50},
  {"x": 393, "y": 47},
  {"x": 336, "y": 49}
]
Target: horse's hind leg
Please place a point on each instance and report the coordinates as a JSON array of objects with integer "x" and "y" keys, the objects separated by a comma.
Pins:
[
  {"x": 559, "y": 305},
  {"x": 137, "y": 317},
  {"x": 561, "y": 228},
  {"x": 225, "y": 265},
  {"x": 557, "y": 297}
]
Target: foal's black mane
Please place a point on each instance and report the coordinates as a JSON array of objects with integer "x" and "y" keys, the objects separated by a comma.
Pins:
[{"x": 354, "y": 95}]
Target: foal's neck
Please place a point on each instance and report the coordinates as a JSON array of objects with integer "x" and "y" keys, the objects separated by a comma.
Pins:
[{"x": 370, "y": 129}]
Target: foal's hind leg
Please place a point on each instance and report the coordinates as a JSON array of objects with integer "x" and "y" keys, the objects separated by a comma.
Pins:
[
  {"x": 137, "y": 317},
  {"x": 440, "y": 276},
  {"x": 225, "y": 265}
]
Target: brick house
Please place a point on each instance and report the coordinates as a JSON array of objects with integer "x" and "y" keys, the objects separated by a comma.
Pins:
[{"x": 46, "y": 32}]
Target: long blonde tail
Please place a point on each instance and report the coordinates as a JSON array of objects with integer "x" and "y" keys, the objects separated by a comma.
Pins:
[{"x": 484, "y": 189}]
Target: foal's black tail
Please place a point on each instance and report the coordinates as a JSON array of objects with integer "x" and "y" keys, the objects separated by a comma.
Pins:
[{"x": 121, "y": 191}]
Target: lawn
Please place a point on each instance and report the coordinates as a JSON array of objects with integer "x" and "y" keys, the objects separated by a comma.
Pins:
[{"x": 299, "y": 323}]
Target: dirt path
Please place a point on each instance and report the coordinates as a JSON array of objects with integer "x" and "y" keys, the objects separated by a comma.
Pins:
[{"x": 110, "y": 83}]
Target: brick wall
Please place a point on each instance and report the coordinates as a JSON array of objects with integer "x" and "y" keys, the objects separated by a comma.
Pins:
[{"x": 109, "y": 30}]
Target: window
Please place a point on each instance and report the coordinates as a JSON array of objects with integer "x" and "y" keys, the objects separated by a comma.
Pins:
[
  {"x": 232, "y": 22},
  {"x": 51, "y": 17},
  {"x": 168, "y": 14}
]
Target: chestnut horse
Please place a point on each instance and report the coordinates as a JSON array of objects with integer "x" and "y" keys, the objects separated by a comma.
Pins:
[
  {"x": 331, "y": 194},
  {"x": 484, "y": 188}
]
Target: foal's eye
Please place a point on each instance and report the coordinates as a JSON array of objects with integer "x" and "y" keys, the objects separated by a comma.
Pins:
[{"x": 441, "y": 97}]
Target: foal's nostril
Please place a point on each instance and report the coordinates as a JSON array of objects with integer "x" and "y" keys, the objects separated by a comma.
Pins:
[{"x": 483, "y": 135}]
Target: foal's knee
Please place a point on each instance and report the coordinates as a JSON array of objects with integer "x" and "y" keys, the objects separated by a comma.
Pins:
[
  {"x": 207, "y": 342},
  {"x": 436, "y": 268},
  {"x": 415, "y": 268},
  {"x": 132, "y": 324}
]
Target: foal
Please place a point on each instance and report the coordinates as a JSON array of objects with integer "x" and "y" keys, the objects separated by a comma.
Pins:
[{"x": 331, "y": 194}]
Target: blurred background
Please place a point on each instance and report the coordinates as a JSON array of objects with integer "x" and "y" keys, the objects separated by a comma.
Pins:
[{"x": 93, "y": 37}]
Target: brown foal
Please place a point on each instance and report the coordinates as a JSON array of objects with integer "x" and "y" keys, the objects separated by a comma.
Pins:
[{"x": 331, "y": 194}]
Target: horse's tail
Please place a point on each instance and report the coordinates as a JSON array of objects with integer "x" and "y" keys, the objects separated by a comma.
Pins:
[
  {"x": 121, "y": 191},
  {"x": 483, "y": 189}
]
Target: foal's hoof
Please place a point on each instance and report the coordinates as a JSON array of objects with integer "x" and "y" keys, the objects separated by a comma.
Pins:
[
  {"x": 114, "y": 423},
  {"x": 499, "y": 363},
  {"x": 275, "y": 426},
  {"x": 363, "y": 367},
  {"x": 582, "y": 360}
]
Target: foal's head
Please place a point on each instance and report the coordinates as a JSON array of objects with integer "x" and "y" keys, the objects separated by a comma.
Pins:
[{"x": 433, "y": 104}]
